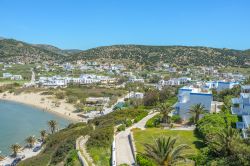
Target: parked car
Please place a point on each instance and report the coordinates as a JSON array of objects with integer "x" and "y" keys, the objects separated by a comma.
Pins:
[
  {"x": 37, "y": 148},
  {"x": 16, "y": 161}
]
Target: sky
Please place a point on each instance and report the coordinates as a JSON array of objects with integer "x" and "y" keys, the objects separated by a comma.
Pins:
[{"x": 83, "y": 24}]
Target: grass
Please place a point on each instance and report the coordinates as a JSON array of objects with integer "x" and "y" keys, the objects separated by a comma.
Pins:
[
  {"x": 19, "y": 69},
  {"x": 171, "y": 101},
  {"x": 101, "y": 155},
  {"x": 183, "y": 137}
]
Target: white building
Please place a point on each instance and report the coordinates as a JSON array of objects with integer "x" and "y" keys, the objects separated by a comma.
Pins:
[
  {"x": 7, "y": 75},
  {"x": 16, "y": 77},
  {"x": 134, "y": 79},
  {"x": 136, "y": 95},
  {"x": 189, "y": 96},
  {"x": 175, "y": 81},
  {"x": 241, "y": 105},
  {"x": 221, "y": 85}
]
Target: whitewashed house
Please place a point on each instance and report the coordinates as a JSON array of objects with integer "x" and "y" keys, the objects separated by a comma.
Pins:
[
  {"x": 189, "y": 96},
  {"x": 222, "y": 85},
  {"x": 241, "y": 105},
  {"x": 174, "y": 81},
  {"x": 136, "y": 95},
  {"x": 16, "y": 77},
  {"x": 134, "y": 79},
  {"x": 7, "y": 75}
]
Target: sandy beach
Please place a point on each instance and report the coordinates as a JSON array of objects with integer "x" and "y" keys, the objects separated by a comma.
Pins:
[
  {"x": 26, "y": 152},
  {"x": 46, "y": 103}
]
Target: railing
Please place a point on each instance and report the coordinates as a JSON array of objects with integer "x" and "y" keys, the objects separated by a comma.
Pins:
[
  {"x": 113, "y": 154},
  {"x": 132, "y": 145}
]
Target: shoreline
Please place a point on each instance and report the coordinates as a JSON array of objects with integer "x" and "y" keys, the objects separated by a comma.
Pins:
[{"x": 64, "y": 110}]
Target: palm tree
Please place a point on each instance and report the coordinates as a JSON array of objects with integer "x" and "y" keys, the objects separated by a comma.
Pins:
[
  {"x": 30, "y": 141},
  {"x": 165, "y": 110},
  {"x": 223, "y": 142},
  {"x": 15, "y": 149},
  {"x": 164, "y": 152},
  {"x": 52, "y": 125},
  {"x": 43, "y": 135},
  {"x": 196, "y": 111}
]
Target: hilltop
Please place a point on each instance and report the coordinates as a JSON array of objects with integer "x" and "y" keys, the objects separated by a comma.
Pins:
[
  {"x": 15, "y": 51},
  {"x": 180, "y": 55}
]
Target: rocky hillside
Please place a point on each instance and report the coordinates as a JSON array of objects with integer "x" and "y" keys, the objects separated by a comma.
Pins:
[
  {"x": 58, "y": 50},
  {"x": 180, "y": 55},
  {"x": 17, "y": 51}
]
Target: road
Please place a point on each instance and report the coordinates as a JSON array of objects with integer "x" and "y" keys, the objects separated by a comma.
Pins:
[
  {"x": 124, "y": 153},
  {"x": 33, "y": 77}
]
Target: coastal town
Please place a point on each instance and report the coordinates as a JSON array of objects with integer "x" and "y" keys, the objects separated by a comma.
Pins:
[
  {"x": 124, "y": 83},
  {"x": 199, "y": 86}
]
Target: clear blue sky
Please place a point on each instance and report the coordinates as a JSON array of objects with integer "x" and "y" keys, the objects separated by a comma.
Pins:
[{"x": 85, "y": 24}]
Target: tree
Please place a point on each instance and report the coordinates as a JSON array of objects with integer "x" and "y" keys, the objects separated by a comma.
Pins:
[
  {"x": 151, "y": 98},
  {"x": 52, "y": 125},
  {"x": 15, "y": 149},
  {"x": 30, "y": 141},
  {"x": 165, "y": 110},
  {"x": 43, "y": 135},
  {"x": 222, "y": 143},
  {"x": 164, "y": 152},
  {"x": 210, "y": 125},
  {"x": 196, "y": 111}
]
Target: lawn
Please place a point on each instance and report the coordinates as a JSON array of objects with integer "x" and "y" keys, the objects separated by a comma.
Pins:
[
  {"x": 171, "y": 101},
  {"x": 184, "y": 137}
]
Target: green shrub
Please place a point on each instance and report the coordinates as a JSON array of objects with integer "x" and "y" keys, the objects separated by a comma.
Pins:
[
  {"x": 176, "y": 119},
  {"x": 72, "y": 99},
  {"x": 143, "y": 161},
  {"x": 60, "y": 95},
  {"x": 128, "y": 123},
  {"x": 154, "y": 121},
  {"x": 72, "y": 158},
  {"x": 140, "y": 116},
  {"x": 121, "y": 127}
]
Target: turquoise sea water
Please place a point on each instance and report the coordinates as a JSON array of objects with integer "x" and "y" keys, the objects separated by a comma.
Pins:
[{"x": 18, "y": 121}]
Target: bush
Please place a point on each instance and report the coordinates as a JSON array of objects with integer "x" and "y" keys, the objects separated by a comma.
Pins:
[
  {"x": 60, "y": 95},
  {"x": 121, "y": 127},
  {"x": 176, "y": 119},
  {"x": 140, "y": 117},
  {"x": 102, "y": 136},
  {"x": 72, "y": 158},
  {"x": 143, "y": 161},
  {"x": 72, "y": 99},
  {"x": 154, "y": 121},
  {"x": 128, "y": 123},
  {"x": 47, "y": 93}
]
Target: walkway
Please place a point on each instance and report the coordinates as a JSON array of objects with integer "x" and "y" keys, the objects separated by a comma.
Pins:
[
  {"x": 81, "y": 146},
  {"x": 124, "y": 153}
]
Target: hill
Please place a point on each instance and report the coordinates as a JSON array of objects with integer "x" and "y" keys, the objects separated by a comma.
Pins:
[
  {"x": 16, "y": 51},
  {"x": 180, "y": 55},
  {"x": 57, "y": 50}
]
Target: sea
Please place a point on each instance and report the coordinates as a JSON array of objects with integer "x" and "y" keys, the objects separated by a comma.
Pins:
[{"x": 18, "y": 121}]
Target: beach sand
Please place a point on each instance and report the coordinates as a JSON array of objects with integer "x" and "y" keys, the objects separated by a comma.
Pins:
[{"x": 46, "y": 103}]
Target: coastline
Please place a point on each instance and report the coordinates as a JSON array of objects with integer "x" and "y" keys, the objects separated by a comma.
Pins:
[{"x": 44, "y": 103}]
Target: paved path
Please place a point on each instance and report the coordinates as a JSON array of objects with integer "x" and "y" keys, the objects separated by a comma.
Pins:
[
  {"x": 123, "y": 149},
  {"x": 84, "y": 155}
]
